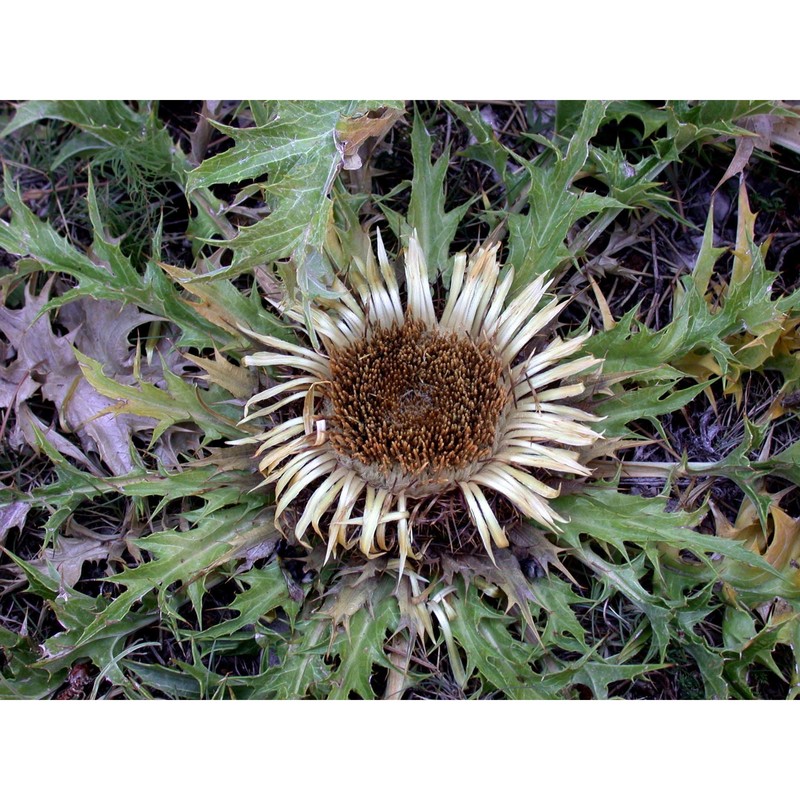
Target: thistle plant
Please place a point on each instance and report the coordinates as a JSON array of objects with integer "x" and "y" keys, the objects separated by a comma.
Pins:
[
  {"x": 401, "y": 406},
  {"x": 410, "y": 402}
]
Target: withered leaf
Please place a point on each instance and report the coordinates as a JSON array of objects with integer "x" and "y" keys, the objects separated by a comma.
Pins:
[
  {"x": 69, "y": 555},
  {"x": 12, "y": 515},
  {"x": 352, "y": 132},
  {"x": 23, "y": 432},
  {"x": 46, "y": 361},
  {"x": 239, "y": 381}
]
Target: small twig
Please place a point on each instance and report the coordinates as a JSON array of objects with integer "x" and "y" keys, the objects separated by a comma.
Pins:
[{"x": 652, "y": 469}]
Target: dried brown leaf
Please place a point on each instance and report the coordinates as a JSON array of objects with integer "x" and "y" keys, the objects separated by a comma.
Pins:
[
  {"x": 506, "y": 575},
  {"x": 786, "y": 130},
  {"x": 70, "y": 553},
  {"x": 767, "y": 129},
  {"x": 346, "y": 598},
  {"x": 174, "y": 443},
  {"x": 101, "y": 329},
  {"x": 415, "y": 614},
  {"x": 27, "y": 421},
  {"x": 354, "y": 131},
  {"x": 209, "y": 306},
  {"x": 16, "y": 385},
  {"x": 45, "y": 361},
  {"x": 535, "y": 544},
  {"x": 12, "y": 515},
  {"x": 761, "y": 125},
  {"x": 779, "y": 544},
  {"x": 240, "y": 382}
]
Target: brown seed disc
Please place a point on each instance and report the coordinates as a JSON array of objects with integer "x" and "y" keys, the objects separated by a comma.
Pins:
[{"x": 415, "y": 399}]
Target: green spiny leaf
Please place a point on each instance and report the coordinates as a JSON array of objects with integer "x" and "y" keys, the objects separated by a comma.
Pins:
[
  {"x": 499, "y": 658},
  {"x": 435, "y": 228},
  {"x": 537, "y": 238},
  {"x": 360, "y": 646},
  {"x": 617, "y": 519},
  {"x": 296, "y": 144}
]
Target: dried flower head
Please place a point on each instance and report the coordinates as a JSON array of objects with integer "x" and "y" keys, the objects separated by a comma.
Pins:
[{"x": 399, "y": 407}]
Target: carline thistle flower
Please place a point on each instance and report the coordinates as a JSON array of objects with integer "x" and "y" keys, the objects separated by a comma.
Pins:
[{"x": 399, "y": 407}]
